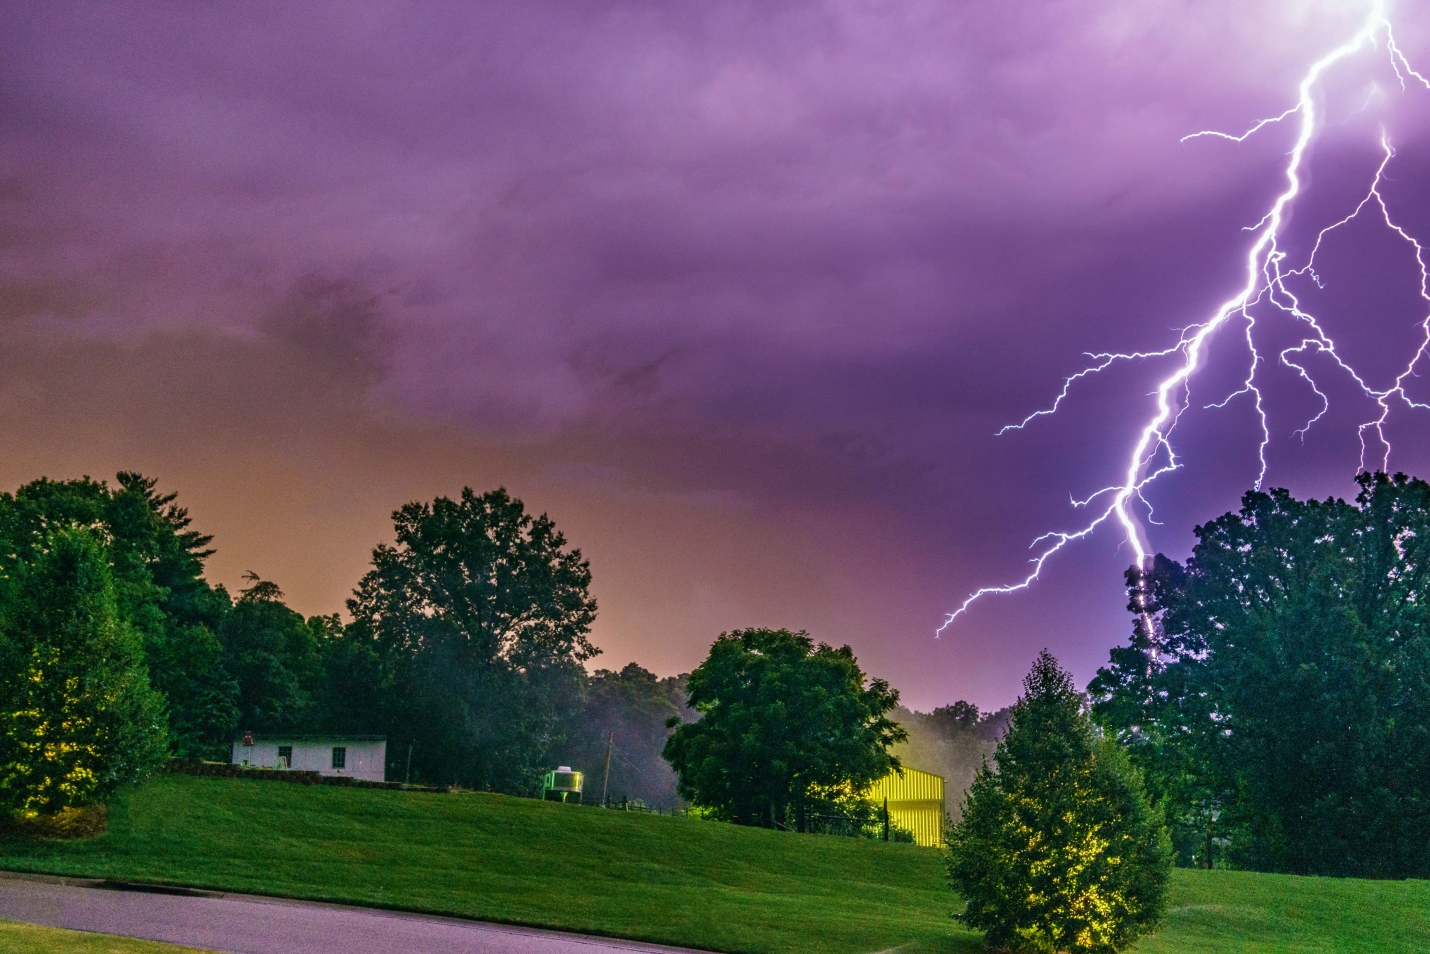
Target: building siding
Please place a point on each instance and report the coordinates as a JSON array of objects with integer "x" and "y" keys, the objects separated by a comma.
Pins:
[
  {"x": 365, "y": 758},
  {"x": 916, "y": 804}
]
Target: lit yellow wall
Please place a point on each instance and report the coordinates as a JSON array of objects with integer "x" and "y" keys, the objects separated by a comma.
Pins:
[{"x": 915, "y": 803}]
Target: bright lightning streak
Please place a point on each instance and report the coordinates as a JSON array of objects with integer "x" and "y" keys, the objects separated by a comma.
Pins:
[{"x": 1152, "y": 454}]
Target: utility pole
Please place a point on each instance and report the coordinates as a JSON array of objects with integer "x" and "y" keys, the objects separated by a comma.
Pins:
[
  {"x": 409, "y": 763},
  {"x": 605, "y": 779}
]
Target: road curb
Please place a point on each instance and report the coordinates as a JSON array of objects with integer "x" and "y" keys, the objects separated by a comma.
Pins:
[{"x": 113, "y": 884}]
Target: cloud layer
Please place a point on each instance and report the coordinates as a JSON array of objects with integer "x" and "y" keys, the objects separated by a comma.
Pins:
[{"x": 739, "y": 292}]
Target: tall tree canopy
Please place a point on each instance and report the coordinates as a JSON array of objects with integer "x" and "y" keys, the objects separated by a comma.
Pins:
[
  {"x": 78, "y": 717},
  {"x": 1058, "y": 849},
  {"x": 1277, "y": 686},
  {"x": 784, "y": 724},
  {"x": 156, "y": 564},
  {"x": 479, "y": 614},
  {"x": 275, "y": 657}
]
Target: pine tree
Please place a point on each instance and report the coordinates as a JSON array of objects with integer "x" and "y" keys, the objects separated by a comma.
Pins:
[
  {"x": 1058, "y": 849},
  {"x": 78, "y": 717}
]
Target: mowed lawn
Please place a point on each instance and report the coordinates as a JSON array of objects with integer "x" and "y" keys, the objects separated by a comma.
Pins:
[
  {"x": 673, "y": 880},
  {"x": 28, "y": 939}
]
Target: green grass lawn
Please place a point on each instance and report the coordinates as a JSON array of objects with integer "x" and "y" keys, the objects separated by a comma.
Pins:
[
  {"x": 673, "y": 880},
  {"x": 28, "y": 939}
]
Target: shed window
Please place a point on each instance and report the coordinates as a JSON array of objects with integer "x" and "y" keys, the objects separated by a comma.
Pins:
[
  {"x": 285, "y": 756},
  {"x": 340, "y": 756}
]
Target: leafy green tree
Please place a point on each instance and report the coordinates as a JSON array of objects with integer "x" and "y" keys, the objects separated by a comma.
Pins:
[
  {"x": 273, "y": 654},
  {"x": 156, "y": 564},
  {"x": 785, "y": 727},
  {"x": 1276, "y": 690},
  {"x": 1058, "y": 849},
  {"x": 348, "y": 696},
  {"x": 479, "y": 616},
  {"x": 78, "y": 717}
]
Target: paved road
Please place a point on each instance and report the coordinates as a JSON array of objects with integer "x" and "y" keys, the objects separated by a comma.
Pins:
[{"x": 246, "y": 924}]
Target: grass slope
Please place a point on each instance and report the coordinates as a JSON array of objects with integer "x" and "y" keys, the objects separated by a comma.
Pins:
[
  {"x": 28, "y": 939},
  {"x": 673, "y": 880}
]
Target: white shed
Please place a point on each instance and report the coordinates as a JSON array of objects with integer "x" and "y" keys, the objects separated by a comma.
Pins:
[{"x": 356, "y": 756}]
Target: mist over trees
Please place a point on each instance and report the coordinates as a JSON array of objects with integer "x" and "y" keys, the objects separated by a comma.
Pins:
[
  {"x": 479, "y": 617},
  {"x": 951, "y": 741},
  {"x": 628, "y": 713},
  {"x": 1276, "y": 689}
]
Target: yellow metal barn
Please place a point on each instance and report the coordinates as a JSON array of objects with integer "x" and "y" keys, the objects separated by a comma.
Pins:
[{"x": 915, "y": 803}]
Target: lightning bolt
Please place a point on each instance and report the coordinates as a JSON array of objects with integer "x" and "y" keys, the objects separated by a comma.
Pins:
[{"x": 1266, "y": 285}]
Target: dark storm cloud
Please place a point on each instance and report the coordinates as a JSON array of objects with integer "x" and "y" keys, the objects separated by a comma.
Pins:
[{"x": 744, "y": 289}]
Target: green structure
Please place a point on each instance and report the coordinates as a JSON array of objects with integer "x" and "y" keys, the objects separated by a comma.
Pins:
[
  {"x": 915, "y": 804},
  {"x": 562, "y": 785}
]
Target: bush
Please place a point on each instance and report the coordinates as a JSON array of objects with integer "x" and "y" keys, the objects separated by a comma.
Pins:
[
  {"x": 1058, "y": 850},
  {"x": 64, "y": 824}
]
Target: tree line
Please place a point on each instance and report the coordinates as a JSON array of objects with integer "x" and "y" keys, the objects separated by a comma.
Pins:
[
  {"x": 1274, "y": 697},
  {"x": 465, "y": 647}
]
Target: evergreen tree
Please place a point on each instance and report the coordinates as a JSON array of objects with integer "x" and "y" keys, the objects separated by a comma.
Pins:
[
  {"x": 77, "y": 715},
  {"x": 1058, "y": 849},
  {"x": 181, "y": 645}
]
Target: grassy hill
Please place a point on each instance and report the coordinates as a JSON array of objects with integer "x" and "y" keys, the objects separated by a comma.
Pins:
[{"x": 673, "y": 880}]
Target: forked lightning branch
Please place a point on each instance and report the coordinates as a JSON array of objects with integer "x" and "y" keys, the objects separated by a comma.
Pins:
[{"x": 1267, "y": 289}]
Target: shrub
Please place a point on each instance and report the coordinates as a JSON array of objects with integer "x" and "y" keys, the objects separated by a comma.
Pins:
[
  {"x": 1058, "y": 850},
  {"x": 65, "y": 824}
]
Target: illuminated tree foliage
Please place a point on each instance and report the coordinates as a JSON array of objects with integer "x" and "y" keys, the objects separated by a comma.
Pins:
[
  {"x": 156, "y": 563},
  {"x": 1058, "y": 849},
  {"x": 786, "y": 728},
  {"x": 1277, "y": 687},
  {"x": 77, "y": 715}
]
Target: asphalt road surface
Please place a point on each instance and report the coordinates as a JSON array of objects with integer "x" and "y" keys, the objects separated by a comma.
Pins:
[{"x": 246, "y": 924}]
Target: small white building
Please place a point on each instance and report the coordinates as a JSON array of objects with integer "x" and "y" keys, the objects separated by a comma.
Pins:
[{"x": 356, "y": 756}]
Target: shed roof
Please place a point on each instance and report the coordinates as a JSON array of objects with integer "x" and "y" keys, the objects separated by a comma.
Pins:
[{"x": 314, "y": 738}]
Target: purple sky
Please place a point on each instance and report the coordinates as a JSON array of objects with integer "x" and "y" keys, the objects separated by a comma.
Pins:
[{"x": 739, "y": 293}]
